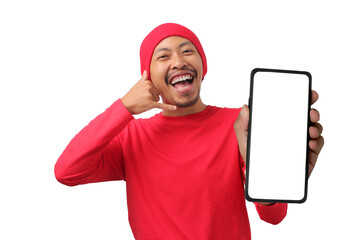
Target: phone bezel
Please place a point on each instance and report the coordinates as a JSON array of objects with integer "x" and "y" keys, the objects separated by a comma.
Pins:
[{"x": 249, "y": 198}]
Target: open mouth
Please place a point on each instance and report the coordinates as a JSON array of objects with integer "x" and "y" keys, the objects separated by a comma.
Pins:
[{"x": 182, "y": 82}]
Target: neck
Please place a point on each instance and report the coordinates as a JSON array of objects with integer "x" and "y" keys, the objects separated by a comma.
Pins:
[{"x": 197, "y": 107}]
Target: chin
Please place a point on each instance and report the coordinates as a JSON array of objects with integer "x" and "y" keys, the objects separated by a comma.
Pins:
[{"x": 188, "y": 103}]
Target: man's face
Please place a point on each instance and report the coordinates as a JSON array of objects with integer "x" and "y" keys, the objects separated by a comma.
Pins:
[{"x": 176, "y": 71}]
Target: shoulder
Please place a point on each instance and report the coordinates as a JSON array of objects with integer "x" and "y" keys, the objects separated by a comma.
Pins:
[
  {"x": 224, "y": 115},
  {"x": 144, "y": 122},
  {"x": 226, "y": 111}
]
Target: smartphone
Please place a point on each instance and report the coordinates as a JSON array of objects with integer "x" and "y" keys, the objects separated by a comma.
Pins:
[{"x": 278, "y": 137}]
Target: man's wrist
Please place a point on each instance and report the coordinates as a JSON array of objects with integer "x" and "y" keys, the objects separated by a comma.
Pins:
[{"x": 127, "y": 106}]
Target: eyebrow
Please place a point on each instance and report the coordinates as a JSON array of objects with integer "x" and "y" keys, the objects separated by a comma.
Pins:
[
  {"x": 168, "y": 49},
  {"x": 161, "y": 49},
  {"x": 185, "y": 43}
]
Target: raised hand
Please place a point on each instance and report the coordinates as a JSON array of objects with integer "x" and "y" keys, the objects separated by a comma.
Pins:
[
  {"x": 144, "y": 96},
  {"x": 316, "y": 140}
]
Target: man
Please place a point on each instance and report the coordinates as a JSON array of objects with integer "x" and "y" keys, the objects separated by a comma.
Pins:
[{"x": 183, "y": 167}]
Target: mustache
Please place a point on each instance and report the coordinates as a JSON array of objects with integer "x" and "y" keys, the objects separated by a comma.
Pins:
[{"x": 182, "y": 69}]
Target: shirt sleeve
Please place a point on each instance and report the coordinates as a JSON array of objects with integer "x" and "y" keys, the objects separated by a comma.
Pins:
[
  {"x": 95, "y": 154},
  {"x": 273, "y": 214}
]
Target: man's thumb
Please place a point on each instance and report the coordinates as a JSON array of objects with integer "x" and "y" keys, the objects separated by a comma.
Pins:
[
  {"x": 242, "y": 121},
  {"x": 241, "y": 127}
]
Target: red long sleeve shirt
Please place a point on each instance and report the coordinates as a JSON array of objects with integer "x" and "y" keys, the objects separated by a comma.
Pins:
[{"x": 184, "y": 175}]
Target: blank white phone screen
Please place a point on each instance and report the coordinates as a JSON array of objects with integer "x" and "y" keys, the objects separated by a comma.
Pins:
[{"x": 277, "y": 166}]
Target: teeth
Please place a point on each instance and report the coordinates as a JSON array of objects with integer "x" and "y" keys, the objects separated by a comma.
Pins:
[{"x": 182, "y": 78}]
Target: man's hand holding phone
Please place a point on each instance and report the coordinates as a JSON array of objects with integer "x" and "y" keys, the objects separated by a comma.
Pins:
[{"x": 316, "y": 140}]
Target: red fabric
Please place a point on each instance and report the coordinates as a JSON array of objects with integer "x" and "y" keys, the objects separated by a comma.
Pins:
[
  {"x": 161, "y": 32},
  {"x": 183, "y": 174}
]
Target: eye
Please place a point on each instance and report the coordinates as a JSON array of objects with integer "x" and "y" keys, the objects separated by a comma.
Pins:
[
  {"x": 162, "y": 57},
  {"x": 188, "y": 51}
]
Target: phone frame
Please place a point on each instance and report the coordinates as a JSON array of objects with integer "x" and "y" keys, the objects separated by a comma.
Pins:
[{"x": 302, "y": 200}]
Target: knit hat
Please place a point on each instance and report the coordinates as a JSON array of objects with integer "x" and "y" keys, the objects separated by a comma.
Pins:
[{"x": 161, "y": 32}]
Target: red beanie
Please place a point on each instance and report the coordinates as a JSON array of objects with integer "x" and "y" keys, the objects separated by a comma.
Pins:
[{"x": 161, "y": 32}]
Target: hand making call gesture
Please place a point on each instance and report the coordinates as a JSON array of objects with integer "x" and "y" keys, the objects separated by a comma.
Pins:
[{"x": 144, "y": 96}]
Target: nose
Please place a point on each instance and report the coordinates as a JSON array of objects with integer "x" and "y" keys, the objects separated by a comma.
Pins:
[{"x": 178, "y": 62}]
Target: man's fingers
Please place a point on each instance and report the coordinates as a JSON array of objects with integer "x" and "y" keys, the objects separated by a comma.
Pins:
[
  {"x": 314, "y": 96},
  {"x": 314, "y": 115},
  {"x": 316, "y": 144},
  {"x": 312, "y": 161},
  {"x": 315, "y": 147},
  {"x": 155, "y": 96},
  {"x": 314, "y": 132},
  {"x": 144, "y": 76},
  {"x": 153, "y": 91},
  {"x": 151, "y": 88},
  {"x": 164, "y": 106},
  {"x": 319, "y": 127}
]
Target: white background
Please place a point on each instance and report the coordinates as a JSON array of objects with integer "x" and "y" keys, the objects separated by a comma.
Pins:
[{"x": 63, "y": 62}]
